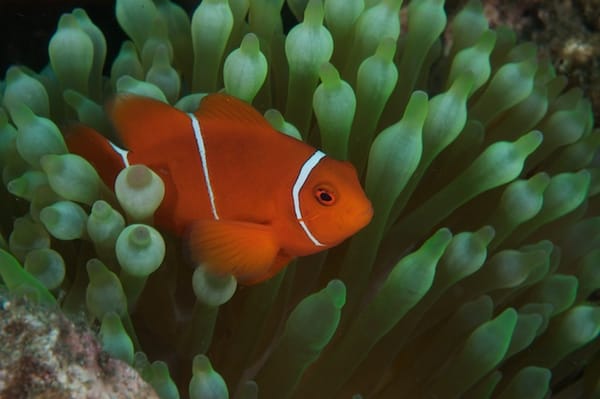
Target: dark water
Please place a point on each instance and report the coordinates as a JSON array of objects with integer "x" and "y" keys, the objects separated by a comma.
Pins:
[{"x": 26, "y": 27}]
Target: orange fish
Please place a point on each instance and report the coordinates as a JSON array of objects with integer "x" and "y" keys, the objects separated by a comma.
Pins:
[{"x": 252, "y": 197}]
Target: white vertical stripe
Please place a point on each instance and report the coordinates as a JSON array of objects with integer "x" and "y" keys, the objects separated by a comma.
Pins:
[
  {"x": 122, "y": 153},
  {"x": 305, "y": 170},
  {"x": 202, "y": 151},
  {"x": 309, "y": 234}
]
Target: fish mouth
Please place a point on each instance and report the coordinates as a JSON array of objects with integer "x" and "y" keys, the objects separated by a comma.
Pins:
[
  {"x": 358, "y": 220},
  {"x": 365, "y": 216},
  {"x": 369, "y": 212}
]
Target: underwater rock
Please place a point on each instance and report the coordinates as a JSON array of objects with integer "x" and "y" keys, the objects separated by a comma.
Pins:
[{"x": 44, "y": 355}]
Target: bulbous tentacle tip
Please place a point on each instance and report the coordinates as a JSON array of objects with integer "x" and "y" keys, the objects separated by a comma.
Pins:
[
  {"x": 104, "y": 293},
  {"x": 139, "y": 191},
  {"x": 72, "y": 177},
  {"x": 205, "y": 381},
  {"x": 65, "y": 220},
  {"x": 337, "y": 291},
  {"x": 114, "y": 338},
  {"x": 140, "y": 250},
  {"x": 210, "y": 289},
  {"x": 245, "y": 69}
]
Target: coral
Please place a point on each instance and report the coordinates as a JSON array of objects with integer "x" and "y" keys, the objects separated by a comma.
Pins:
[
  {"x": 478, "y": 276},
  {"x": 44, "y": 355},
  {"x": 565, "y": 31}
]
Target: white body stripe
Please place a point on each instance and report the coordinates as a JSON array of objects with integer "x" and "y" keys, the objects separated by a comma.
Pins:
[
  {"x": 305, "y": 170},
  {"x": 202, "y": 152},
  {"x": 122, "y": 153}
]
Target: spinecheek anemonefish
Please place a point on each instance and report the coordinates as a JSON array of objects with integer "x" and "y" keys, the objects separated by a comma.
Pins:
[{"x": 250, "y": 198}]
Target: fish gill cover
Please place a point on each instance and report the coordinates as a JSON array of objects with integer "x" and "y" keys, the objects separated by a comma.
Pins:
[{"x": 477, "y": 277}]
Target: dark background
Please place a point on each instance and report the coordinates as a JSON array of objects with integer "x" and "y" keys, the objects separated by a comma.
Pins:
[{"x": 26, "y": 27}]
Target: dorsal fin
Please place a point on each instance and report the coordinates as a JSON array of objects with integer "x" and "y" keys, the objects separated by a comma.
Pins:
[
  {"x": 223, "y": 107},
  {"x": 144, "y": 123}
]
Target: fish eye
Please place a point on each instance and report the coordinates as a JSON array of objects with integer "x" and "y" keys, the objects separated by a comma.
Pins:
[{"x": 325, "y": 196}]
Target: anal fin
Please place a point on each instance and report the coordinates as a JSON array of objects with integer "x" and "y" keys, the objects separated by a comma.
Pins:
[{"x": 281, "y": 260}]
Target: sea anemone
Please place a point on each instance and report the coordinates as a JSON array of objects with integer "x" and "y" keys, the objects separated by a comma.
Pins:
[{"x": 476, "y": 278}]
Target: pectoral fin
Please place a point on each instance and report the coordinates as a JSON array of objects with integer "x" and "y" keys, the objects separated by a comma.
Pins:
[
  {"x": 246, "y": 250},
  {"x": 281, "y": 260}
]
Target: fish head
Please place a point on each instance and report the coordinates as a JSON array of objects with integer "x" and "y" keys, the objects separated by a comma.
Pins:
[{"x": 333, "y": 203}]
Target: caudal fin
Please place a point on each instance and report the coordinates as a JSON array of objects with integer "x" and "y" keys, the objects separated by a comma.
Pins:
[{"x": 107, "y": 158}]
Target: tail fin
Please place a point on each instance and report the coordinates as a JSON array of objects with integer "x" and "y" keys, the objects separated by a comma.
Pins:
[{"x": 107, "y": 158}]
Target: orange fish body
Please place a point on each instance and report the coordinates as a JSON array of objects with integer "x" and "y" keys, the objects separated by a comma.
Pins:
[{"x": 252, "y": 198}]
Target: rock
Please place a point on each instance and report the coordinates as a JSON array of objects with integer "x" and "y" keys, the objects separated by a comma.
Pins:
[{"x": 44, "y": 355}]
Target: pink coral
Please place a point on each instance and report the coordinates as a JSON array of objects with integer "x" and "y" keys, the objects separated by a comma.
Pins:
[{"x": 44, "y": 355}]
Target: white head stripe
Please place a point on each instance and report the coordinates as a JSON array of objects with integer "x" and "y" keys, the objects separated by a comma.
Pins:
[
  {"x": 202, "y": 151},
  {"x": 122, "y": 153},
  {"x": 309, "y": 234},
  {"x": 305, "y": 170}
]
